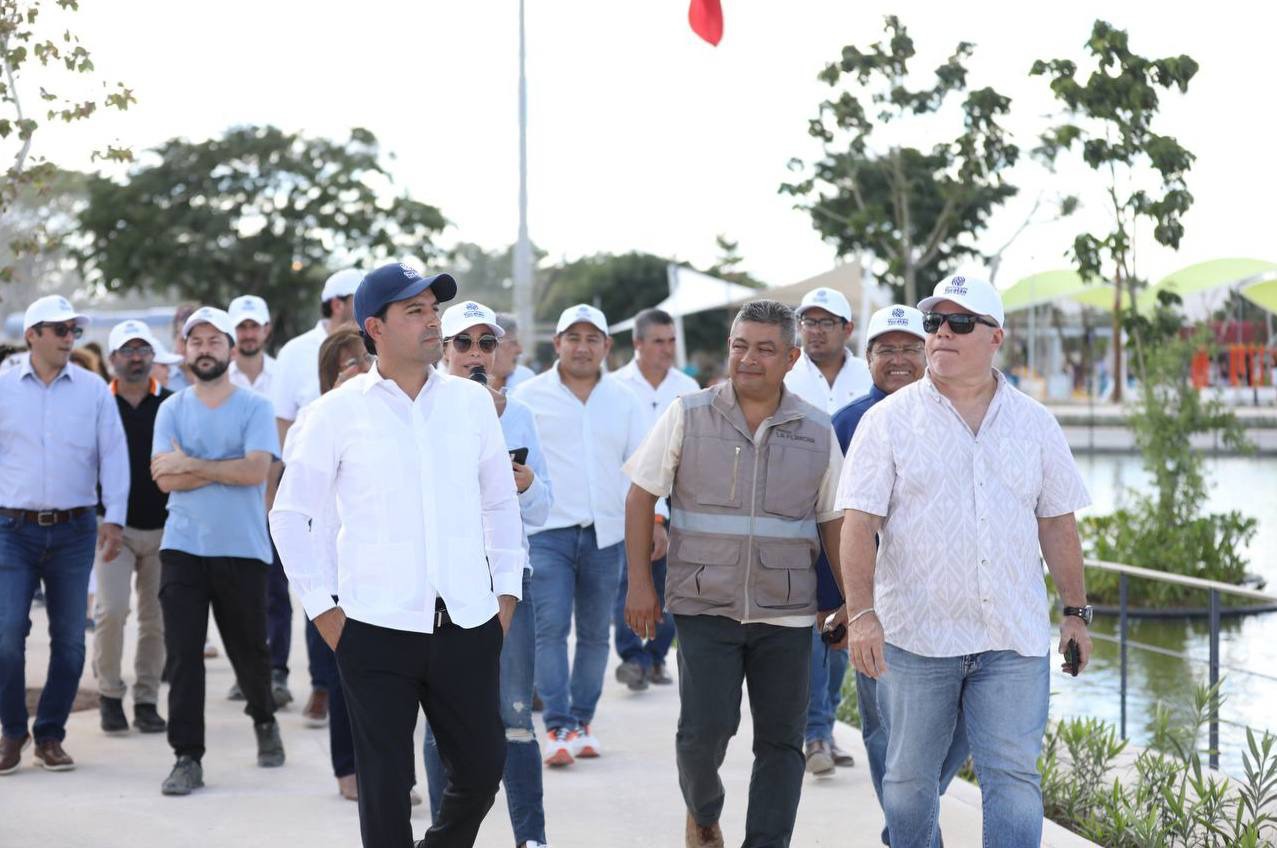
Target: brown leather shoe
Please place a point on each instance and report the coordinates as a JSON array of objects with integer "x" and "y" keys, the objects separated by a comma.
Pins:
[
  {"x": 315, "y": 713},
  {"x": 11, "y": 752},
  {"x": 51, "y": 757},
  {"x": 702, "y": 836}
]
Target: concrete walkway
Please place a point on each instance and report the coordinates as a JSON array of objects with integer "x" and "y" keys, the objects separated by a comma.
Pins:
[{"x": 629, "y": 797}]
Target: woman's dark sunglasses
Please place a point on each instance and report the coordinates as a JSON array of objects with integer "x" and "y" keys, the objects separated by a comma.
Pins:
[
  {"x": 61, "y": 330},
  {"x": 959, "y": 322},
  {"x": 461, "y": 343}
]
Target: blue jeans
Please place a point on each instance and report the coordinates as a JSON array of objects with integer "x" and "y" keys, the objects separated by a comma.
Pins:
[
  {"x": 874, "y": 732},
  {"x": 828, "y": 668},
  {"x": 572, "y": 576},
  {"x": 60, "y": 556},
  {"x": 522, "y": 775},
  {"x": 628, "y": 645},
  {"x": 1002, "y": 699}
]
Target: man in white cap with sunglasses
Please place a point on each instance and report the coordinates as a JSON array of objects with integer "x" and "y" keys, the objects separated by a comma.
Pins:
[
  {"x": 60, "y": 438},
  {"x": 967, "y": 484}
]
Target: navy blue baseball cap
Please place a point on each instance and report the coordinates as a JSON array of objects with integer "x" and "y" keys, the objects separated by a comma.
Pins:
[{"x": 397, "y": 281}]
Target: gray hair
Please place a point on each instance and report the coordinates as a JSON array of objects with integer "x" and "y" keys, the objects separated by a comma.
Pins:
[
  {"x": 646, "y": 319},
  {"x": 507, "y": 322},
  {"x": 771, "y": 312}
]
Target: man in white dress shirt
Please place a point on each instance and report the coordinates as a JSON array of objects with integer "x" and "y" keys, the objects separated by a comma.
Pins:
[
  {"x": 589, "y": 426},
  {"x": 429, "y": 559},
  {"x": 827, "y": 375},
  {"x": 968, "y": 484},
  {"x": 652, "y": 377}
]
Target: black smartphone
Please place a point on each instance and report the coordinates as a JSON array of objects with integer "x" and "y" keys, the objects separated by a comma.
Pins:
[
  {"x": 833, "y": 636},
  {"x": 1072, "y": 658},
  {"x": 520, "y": 455}
]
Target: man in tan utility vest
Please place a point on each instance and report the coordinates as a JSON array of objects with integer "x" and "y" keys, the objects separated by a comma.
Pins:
[{"x": 751, "y": 470}]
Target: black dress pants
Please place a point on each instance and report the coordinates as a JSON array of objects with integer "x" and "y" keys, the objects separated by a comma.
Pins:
[
  {"x": 236, "y": 590},
  {"x": 454, "y": 674}
]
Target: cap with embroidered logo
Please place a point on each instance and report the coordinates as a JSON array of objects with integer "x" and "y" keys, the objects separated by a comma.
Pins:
[
  {"x": 209, "y": 315},
  {"x": 895, "y": 319},
  {"x": 831, "y": 300},
  {"x": 397, "y": 281},
  {"x": 248, "y": 307},
  {"x": 582, "y": 312},
  {"x": 464, "y": 315},
  {"x": 52, "y": 309},
  {"x": 971, "y": 293},
  {"x": 127, "y": 331}
]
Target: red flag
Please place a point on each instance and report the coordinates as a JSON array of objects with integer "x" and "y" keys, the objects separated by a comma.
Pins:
[{"x": 706, "y": 18}]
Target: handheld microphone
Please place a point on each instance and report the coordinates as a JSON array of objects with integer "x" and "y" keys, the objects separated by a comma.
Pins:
[{"x": 480, "y": 375}]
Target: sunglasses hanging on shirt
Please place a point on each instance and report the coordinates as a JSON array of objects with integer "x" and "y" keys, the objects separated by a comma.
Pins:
[
  {"x": 462, "y": 341},
  {"x": 960, "y": 323}
]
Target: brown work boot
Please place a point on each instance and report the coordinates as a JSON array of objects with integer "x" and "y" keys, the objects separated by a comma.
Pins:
[
  {"x": 11, "y": 752},
  {"x": 50, "y": 755},
  {"x": 702, "y": 836},
  {"x": 315, "y": 713}
]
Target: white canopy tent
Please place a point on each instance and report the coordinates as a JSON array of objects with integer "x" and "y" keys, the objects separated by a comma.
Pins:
[{"x": 692, "y": 292}]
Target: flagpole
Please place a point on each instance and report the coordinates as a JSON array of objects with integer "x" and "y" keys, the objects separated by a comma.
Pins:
[{"x": 522, "y": 259}]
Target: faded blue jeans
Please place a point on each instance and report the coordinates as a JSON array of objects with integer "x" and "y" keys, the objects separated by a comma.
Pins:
[
  {"x": 60, "y": 556},
  {"x": 522, "y": 776},
  {"x": 573, "y": 579},
  {"x": 828, "y": 668},
  {"x": 874, "y": 732},
  {"x": 1002, "y": 699}
]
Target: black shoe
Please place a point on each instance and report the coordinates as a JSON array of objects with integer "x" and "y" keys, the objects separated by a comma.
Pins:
[
  {"x": 279, "y": 688},
  {"x": 113, "y": 720},
  {"x": 658, "y": 675},
  {"x": 236, "y": 693},
  {"x": 147, "y": 719},
  {"x": 270, "y": 748},
  {"x": 842, "y": 759},
  {"x": 632, "y": 674},
  {"x": 187, "y": 775}
]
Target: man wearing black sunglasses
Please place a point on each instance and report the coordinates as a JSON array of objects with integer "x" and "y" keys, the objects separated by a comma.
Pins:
[
  {"x": 968, "y": 484},
  {"x": 60, "y": 439}
]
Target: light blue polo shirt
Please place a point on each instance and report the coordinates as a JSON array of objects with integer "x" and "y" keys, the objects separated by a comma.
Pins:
[{"x": 217, "y": 520}]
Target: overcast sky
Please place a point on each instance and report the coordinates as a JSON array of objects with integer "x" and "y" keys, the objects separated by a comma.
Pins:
[{"x": 643, "y": 137}]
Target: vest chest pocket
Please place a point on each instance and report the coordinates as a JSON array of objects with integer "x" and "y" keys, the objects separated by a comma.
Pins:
[
  {"x": 787, "y": 579},
  {"x": 719, "y": 471},
  {"x": 710, "y": 569},
  {"x": 793, "y": 479}
]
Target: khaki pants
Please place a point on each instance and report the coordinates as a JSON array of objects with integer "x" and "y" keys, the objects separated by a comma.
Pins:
[{"x": 140, "y": 555}]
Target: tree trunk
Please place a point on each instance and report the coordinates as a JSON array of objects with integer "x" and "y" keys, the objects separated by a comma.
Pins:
[{"x": 1117, "y": 336}]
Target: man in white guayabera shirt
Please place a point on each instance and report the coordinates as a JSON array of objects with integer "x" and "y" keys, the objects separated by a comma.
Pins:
[
  {"x": 429, "y": 559},
  {"x": 963, "y": 477}
]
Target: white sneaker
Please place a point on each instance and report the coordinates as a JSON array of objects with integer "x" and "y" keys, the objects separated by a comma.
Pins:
[
  {"x": 535, "y": 845},
  {"x": 557, "y": 748},
  {"x": 583, "y": 743}
]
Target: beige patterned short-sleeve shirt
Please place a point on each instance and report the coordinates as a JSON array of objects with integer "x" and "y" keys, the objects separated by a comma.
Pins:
[{"x": 959, "y": 567}]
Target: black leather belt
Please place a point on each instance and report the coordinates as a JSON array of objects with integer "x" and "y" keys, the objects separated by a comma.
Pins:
[{"x": 46, "y": 517}]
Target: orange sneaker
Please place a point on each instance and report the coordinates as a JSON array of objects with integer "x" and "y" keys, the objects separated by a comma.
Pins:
[
  {"x": 558, "y": 751},
  {"x": 583, "y": 744}
]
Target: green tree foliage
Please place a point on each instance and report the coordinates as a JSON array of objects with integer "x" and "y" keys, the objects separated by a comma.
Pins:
[
  {"x": 38, "y": 52},
  {"x": 1167, "y": 529},
  {"x": 1110, "y": 121},
  {"x": 257, "y": 211},
  {"x": 916, "y": 210}
]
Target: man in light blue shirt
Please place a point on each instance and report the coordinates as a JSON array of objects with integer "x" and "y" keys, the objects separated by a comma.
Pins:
[
  {"x": 214, "y": 443},
  {"x": 60, "y": 438},
  {"x": 471, "y": 333}
]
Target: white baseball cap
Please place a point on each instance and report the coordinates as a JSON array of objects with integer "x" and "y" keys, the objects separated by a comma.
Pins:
[
  {"x": 164, "y": 356},
  {"x": 896, "y": 319},
  {"x": 464, "y": 315},
  {"x": 209, "y": 315},
  {"x": 52, "y": 309},
  {"x": 127, "y": 331},
  {"x": 830, "y": 300},
  {"x": 341, "y": 284},
  {"x": 971, "y": 293},
  {"x": 577, "y": 314},
  {"x": 248, "y": 307}
]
